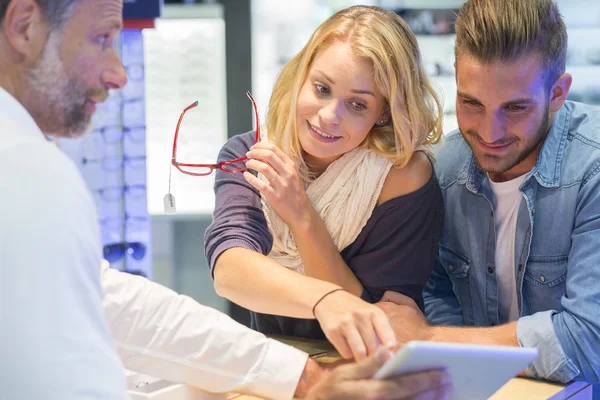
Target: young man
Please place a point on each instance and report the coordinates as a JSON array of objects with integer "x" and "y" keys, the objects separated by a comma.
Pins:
[
  {"x": 57, "y": 61},
  {"x": 520, "y": 253}
]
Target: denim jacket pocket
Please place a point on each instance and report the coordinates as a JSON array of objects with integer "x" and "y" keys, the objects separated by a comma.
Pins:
[
  {"x": 544, "y": 282},
  {"x": 456, "y": 267}
]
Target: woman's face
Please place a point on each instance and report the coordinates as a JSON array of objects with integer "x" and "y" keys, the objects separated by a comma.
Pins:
[{"x": 337, "y": 105}]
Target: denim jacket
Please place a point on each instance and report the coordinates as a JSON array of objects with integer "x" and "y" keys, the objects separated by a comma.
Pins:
[{"x": 557, "y": 248}]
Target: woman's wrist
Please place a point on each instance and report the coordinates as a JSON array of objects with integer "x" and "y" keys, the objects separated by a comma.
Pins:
[
  {"x": 324, "y": 303},
  {"x": 303, "y": 224},
  {"x": 323, "y": 298}
]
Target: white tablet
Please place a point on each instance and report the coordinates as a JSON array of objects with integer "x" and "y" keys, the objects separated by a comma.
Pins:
[{"x": 477, "y": 371}]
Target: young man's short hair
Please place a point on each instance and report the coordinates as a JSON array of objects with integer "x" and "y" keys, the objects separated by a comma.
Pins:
[{"x": 505, "y": 30}]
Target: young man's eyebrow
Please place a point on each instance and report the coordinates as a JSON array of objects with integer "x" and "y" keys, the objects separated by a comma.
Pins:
[
  {"x": 466, "y": 96},
  {"x": 522, "y": 100}
]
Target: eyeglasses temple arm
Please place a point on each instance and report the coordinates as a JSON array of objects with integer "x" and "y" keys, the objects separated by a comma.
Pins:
[{"x": 259, "y": 137}]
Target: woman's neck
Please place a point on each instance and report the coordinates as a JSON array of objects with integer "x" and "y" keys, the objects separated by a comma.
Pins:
[{"x": 316, "y": 166}]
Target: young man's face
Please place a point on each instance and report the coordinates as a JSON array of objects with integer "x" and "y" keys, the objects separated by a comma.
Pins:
[
  {"x": 77, "y": 68},
  {"x": 503, "y": 112}
]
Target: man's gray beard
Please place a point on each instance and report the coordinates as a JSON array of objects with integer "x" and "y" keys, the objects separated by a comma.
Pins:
[{"x": 58, "y": 100}]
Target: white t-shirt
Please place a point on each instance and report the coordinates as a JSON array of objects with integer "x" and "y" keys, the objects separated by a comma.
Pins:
[
  {"x": 507, "y": 200},
  {"x": 55, "y": 301}
]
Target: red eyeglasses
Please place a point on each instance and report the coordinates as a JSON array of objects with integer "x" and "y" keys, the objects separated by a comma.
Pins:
[{"x": 237, "y": 165}]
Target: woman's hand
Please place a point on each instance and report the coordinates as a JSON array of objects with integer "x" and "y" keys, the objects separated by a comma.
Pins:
[
  {"x": 283, "y": 190},
  {"x": 354, "y": 327}
]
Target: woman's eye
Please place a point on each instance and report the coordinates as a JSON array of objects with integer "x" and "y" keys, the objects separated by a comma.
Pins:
[
  {"x": 322, "y": 89},
  {"x": 359, "y": 106}
]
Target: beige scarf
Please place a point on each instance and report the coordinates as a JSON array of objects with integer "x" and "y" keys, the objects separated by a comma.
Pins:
[{"x": 344, "y": 196}]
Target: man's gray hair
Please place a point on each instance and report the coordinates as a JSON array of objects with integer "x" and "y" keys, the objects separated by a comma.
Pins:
[{"x": 57, "y": 11}]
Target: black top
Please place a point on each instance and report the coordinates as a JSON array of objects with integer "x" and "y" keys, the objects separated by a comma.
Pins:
[{"x": 396, "y": 249}]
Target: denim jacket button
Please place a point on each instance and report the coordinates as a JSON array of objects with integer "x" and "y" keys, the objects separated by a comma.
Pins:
[
  {"x": 520, "y": 267},
  {"x": 451, "y": 268},
  {"x": 490, "y": 270},
  {"x": 543, "y": 278},
  {"x": 533, "y": 211}
]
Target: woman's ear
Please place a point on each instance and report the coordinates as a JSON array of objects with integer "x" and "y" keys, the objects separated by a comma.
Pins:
[{"x": 384, "y": 118}]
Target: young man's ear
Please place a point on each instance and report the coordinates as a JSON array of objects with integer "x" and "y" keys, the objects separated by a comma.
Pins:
[
  {"x": 560, "y": 91},
  {"x": 25, "y": 30}
]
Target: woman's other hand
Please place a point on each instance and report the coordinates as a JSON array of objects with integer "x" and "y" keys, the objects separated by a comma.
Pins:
[{"x": 283, "y": 190}]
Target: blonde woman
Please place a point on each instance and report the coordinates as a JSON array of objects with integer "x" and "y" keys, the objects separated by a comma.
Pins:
[{"x": 342, "y": 204}]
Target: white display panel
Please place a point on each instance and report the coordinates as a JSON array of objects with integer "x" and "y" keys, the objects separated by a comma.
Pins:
[{"x": 185, "y": 62}]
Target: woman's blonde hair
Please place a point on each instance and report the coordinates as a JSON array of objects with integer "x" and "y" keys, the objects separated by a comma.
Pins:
[{"x": 384, "y": 38}]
